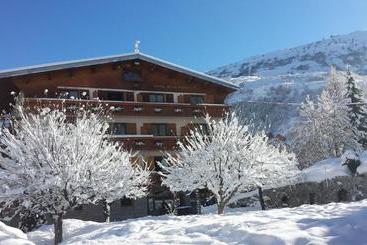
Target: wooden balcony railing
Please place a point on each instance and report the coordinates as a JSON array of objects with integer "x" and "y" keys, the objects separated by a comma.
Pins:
[
  {"x": 148, "y": 142},
  {"x": 127, "y": 108}
]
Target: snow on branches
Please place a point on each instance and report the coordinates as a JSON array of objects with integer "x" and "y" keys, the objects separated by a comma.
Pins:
[
  {"x": 227, "y": 158},
  {"x": 56, "y": 162},
  {"x": 325, "y": 128}
]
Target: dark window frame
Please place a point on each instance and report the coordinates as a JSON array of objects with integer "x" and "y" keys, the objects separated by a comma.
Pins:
[
  {"x": 113, "y": 129},
  {"x": 154, "y": 98},
  {"x": 114, "y": 96},
  {"x": 77, "y": 93},
  {"x": 160, "y": 129},
  {"x": 196, "y": 99}
]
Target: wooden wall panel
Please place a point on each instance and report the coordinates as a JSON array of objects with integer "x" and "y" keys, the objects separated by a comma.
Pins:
[{"x": 131, "y": 128}]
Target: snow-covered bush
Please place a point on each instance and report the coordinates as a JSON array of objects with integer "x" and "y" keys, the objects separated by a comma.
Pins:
[
  {"x": 54, "y": 163},
  {"x": 227, "y": 159},
  {"x": 352, "y": 161}
]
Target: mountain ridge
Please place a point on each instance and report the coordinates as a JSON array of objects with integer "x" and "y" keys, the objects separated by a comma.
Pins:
[{"x": 338, "y": 50}]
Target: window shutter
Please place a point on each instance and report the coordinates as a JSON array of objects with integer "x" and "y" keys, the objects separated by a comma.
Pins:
[
  {"x": 146, "y": 129},
  {"x": 139, "y": 97},
  {"x": 169, "y": 98},
  {"x": 129, "y": 96},
  {"x": 187, "y": 98},
  {"x": 131, "y": 128},
  {"x": 145, "y": 97},
  {"x": 181, "y": 99}
]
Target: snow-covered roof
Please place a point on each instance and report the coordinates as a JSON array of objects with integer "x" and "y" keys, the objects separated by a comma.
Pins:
[{"x": 109, "y": 59}]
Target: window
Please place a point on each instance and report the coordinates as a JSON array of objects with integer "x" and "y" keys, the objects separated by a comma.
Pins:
[
  {"x": 131, "y": 76},
  {"x": 196, "y": 99},
  {"x": 116, "y": 96},
  {"x": 73, "y": 94},
  {"x": 157, "y": 98},
  {"x": 159, "y": 130},
  {"x": 118, "y": 128}
]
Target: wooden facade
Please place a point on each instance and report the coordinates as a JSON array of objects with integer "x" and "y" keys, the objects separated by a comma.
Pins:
[{"x": 152, "y": 102}]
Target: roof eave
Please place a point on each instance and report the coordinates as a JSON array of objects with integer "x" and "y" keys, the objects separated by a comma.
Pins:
[{"x": 109, "y": 59}]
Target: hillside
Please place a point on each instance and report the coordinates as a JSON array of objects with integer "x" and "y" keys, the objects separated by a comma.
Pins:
[
  {"x": 288, "y": 75},
  {"x": 340, "y": 50}
]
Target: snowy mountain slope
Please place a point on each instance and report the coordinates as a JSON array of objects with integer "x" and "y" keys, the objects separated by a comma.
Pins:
[
  {"x": 340, "y": 50},
  {"x": 288, "y": 76},
  {"x": 334, "y": 223}
]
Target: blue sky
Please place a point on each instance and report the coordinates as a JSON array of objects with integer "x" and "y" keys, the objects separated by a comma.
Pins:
[{"x": 200, "y": 34}]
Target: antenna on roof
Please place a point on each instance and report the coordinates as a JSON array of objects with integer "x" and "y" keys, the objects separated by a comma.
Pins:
[{"x": 136, "y": 46}]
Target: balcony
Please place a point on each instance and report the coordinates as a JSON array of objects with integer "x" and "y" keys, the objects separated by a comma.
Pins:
[
  {"x": 129, "y": 108},
  {"x": 147, "y": 142}
]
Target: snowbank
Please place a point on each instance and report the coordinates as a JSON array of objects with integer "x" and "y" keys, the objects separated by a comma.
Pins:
[
  {"x": 331, "y": 168},
  {"x": 12, "y": 236},
  {"x": 335, "y": 223}
]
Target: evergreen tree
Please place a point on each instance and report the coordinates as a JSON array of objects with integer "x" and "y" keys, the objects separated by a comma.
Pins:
[
  {"x": 325, "y": 128},
  {"x": 356, "y": 109}
]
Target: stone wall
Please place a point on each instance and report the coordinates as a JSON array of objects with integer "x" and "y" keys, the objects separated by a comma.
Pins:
[
  {"x": 120, "y": 210},
  {"x": 339, "y": 189}
]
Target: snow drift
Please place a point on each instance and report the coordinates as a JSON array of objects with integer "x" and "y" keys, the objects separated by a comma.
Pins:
[{"x": 334, "y": 223}]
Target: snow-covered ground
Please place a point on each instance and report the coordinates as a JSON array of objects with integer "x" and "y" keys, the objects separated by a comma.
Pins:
[
  {"x": 12, "y": 236},
  {"x": 334, "y": 223},
  {"x": 331, "y": 168}
]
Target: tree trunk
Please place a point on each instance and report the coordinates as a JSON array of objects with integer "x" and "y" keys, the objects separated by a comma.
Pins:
[
  {"x": 261, "y": 198},
  {"x": 221, "y": 206},
  {"x": 198, "y": 204},
  {"x": 58, "y": 228},
  {"x": 354, "y": 189},
  {"x": 107, "y": 211}
]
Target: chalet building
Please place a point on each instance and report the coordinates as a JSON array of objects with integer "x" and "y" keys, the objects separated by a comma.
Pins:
[{"x": 152, "y": 103}]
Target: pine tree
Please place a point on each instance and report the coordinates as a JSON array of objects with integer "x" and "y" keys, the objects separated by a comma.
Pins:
[{"x": 356, "y": 109}]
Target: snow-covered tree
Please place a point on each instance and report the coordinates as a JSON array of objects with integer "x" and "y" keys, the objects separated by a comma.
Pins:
[
  {"x": 357, "y": 111},
  {"x": 324, "y": 129},
  {"x": 54, "y": 163},
  {"x": 228, "y": 159},
  {"x": 119, "y": 179},
  {"x": 306, "y": 135}
]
